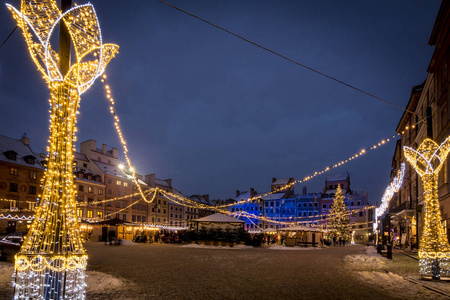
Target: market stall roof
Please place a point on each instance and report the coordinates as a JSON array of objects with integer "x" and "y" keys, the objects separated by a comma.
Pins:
[
  {"x": 113, "y": 222},
  {"x": 300, "y": 228},
  {"x": 219, "y": 218}
]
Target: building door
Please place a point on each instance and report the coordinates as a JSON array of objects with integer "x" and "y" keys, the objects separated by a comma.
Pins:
[
  {"x": 104, "y": 234},
  {"x": 11, "y": 227}
]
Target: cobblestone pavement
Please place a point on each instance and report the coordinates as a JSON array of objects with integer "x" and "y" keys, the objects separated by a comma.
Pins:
[{"x": 174, "y": 272}]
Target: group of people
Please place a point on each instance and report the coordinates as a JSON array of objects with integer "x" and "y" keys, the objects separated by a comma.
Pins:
[
  {"x": 163, "y": 236},
  {"x": 339, "y": 241}
]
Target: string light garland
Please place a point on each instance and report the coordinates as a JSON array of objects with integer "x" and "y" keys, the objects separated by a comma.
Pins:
[
  {"x": 434, "y": 250},
  {"x": 51, "y": 263},
  {"x": 16, "y": 217},
  {"x": 127, "y": 207},
  {"x": 391, "y": 189},
  {"x": 131, "y": 169}
]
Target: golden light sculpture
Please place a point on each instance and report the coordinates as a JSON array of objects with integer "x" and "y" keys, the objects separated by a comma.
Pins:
[
  {"x": 434, "y": 250},
  {"x": 52, "y": 261}
]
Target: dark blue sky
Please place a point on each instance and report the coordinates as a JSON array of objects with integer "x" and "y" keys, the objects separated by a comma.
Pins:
[{"x": 217, "y": 114}]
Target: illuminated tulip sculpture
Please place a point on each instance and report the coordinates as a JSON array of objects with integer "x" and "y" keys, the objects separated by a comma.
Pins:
[
  {"x": 52, "y": 261},
  {"x": 434, "y": 249}
]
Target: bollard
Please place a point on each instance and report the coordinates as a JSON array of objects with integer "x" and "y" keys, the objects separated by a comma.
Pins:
[{"x": 389, "y": 251}]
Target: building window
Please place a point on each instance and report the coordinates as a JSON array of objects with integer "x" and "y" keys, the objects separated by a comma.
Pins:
[
  {"x": 80, "y": 198},
  {"x": 109, "y": 191},
  {"x": 12, "y": 187},
  {"x": 109, "y": 180},
  {"x": 133, "y": 218},
  {"x": 79, "y": 213},
  {"x": 13, "y": 171},
  {"x": 119, "y": 182},
  {"x": 117, "y": 193},
  {"x": 143, "y": 219},
  {"x": 33, "y": 175},
  {"x": 118, "y": 204},
  {"x": 80, "y": 188},
  {"x": 11, "y": 155},
  {"x": 32, "y": 190},
  {"x": 125, "y": 183},
  {"x": 100, "y": 191},
  {"x": 100, "y": 214},
  {"x": 89, "y": 213}
]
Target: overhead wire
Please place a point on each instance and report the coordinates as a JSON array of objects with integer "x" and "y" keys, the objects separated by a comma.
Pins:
[
  {"x": 292, "y": 60},
  {"x": 7, "y": 38}
]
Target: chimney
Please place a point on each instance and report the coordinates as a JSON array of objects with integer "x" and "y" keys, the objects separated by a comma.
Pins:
[
  {"x": 104, "y": 149},
  {"x": 206, "y": 197},
  {"x": 304, "y": 190},
  {"x": 252, "y": 192},
  {"x": 150, "y": 180},
  {"x": 25, "y": 140},
  {"x": 115, "y": 153},
  {"x": 237, "y": 193},
  {"x": 273, "y": 180},
  {"x": 169, "y": 182}
]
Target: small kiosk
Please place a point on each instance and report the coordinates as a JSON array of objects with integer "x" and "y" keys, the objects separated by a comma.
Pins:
[{"x": 302, "y": 236}]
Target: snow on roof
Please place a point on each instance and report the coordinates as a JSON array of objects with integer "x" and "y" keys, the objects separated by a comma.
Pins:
[
  {"x": 80, "y": 156},
  {"x": 161, "y": 182},
  {"x": 22, "y": 150},
  {"x": 337, "y": 177},
  {"x": 219, "y": 218},
  {"x": 114, "y": 170},
  {"x": 274, "y": 196},
  {"x": 281, "y": 181},
  {"x": 243, "y": 195},
  {"x": 300, "y": 228},
  {"x": 109, "y": 169}
]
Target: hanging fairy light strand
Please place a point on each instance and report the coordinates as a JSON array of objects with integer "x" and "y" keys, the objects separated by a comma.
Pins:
[{"x": 121, "y": 137}]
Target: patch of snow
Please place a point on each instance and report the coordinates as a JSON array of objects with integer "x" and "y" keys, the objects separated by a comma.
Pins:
[
  {"x": 237, "y": 247},
  {"x": 128, "y": 243},
  {"x": 370, "y": 260},
  {"x": 396, "y": 285},
  {"x": 280, "y": 247},
  {"x": 99, "y": 282}
]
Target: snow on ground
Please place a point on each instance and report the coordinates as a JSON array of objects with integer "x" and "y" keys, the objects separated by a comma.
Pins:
[
  {"x": 97, "y": 282},
  {"x": 280, "y": 247},
  {"x": 370, "y": 259},
  {"x": 393, "y": 284},
  {"x": 128, "y": 243},
  {"x": 392, "y": 275},
  {"x": 237, "y": 247}
]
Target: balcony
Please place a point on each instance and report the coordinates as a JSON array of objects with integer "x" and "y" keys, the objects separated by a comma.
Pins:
[{"x": 404, "y": 209}]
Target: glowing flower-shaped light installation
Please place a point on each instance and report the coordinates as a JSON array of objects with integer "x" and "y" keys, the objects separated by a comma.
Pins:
[
  {"x": 52, "y": 261},
  {"x": 434, "y": 249}
]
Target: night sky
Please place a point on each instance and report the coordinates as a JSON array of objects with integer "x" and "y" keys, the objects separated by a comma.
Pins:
[{"x": 217, "y": 114}]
